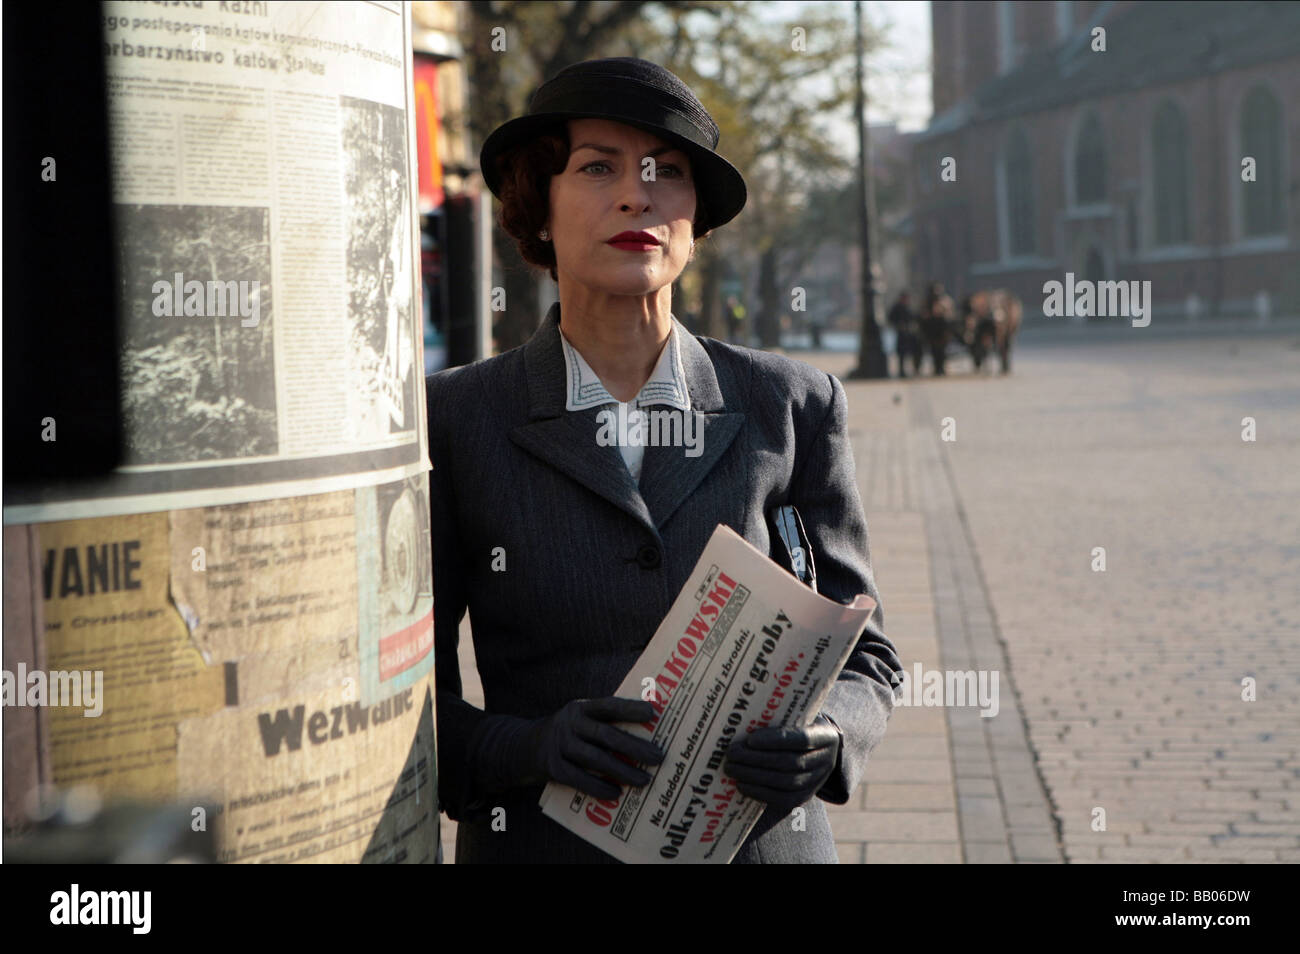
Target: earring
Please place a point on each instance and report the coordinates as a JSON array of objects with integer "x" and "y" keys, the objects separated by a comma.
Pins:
[{"x": 544, "y": 235}]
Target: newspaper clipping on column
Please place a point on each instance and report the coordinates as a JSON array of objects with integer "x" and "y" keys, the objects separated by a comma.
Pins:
[
  {"x": 262, "y": 164},
  {"x": 745, "y": 645}
]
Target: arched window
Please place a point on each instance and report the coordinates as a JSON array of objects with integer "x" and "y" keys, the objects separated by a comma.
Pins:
[
  {"x": 1018, "y": 194},
  {"x": 1170, "y": 177},
  {"x": 1261, "y": 139},
  {"x": 1089, "y": 163}
]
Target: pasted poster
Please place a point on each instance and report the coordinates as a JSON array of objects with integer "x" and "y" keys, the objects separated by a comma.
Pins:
[
  {"x": 233, "y": 642},
  {"x": 263, "y": 168}
]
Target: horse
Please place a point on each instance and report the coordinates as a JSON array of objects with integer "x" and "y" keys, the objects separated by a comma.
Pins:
[{"x": 991, "y": 321}]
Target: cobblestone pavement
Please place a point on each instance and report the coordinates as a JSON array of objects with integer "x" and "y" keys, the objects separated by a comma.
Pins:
[
  {"x": 1129, "y": 682},
  {"x": 1120, "y": 691}
]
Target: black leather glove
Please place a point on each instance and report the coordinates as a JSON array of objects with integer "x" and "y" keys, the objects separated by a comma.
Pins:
[
  {"x": 577, "y": 746},
  {"x": 784, "y": 767}
]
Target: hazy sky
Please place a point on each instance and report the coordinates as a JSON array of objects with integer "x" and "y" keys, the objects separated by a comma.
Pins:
[
  {"x": 899, "y": 84},
  {"x": 906, "y": 99}
]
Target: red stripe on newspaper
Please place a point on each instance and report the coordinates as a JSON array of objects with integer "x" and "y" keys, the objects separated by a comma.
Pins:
[{"x": 401, "y": 650}]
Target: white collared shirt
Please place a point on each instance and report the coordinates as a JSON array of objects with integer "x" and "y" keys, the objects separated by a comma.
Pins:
[{"x": 666, "y": 386}]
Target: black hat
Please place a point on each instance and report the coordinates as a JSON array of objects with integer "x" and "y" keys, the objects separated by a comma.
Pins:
[{"x": 641, "y": 94}]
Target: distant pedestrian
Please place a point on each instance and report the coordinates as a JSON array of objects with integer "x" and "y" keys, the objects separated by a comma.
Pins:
[
  {"x": 907, "y": 339},
  {"x": 935, "y": 318}
]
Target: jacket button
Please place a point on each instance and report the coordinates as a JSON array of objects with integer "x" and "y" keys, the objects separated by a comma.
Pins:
[{"x": 648, "y": 556}]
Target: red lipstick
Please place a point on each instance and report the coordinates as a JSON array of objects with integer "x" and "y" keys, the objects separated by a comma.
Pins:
[{"x": 634, "y": 241}]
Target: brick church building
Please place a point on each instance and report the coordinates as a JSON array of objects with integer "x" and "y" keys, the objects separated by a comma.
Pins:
[{"x": 1107, "y": 140}]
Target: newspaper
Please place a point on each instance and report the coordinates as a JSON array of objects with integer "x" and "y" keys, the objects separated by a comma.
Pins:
[
  {"x": 262, "y": 160},
  {"x": 745, "y": 645}
]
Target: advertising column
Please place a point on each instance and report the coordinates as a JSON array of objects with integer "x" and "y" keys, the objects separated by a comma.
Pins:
[{"x": 247, "y": 601}]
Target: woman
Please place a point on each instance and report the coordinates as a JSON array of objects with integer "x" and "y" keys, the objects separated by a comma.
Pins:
[
  {"x": 568, "y": 549},
  {"x": 935, "y": 324}
]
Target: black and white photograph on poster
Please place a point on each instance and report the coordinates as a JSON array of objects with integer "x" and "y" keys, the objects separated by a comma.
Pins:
[
  {"x": 381, "y": 352},
  {"x": 197, "y": 361}
]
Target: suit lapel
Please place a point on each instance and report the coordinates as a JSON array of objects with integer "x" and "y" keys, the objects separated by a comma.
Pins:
[
  {"x": 567, "y": 441},
  {"x": 668, "y": 475}
]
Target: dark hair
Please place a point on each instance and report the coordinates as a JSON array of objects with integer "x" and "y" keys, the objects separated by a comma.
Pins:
[{"x": 526, "y": 171}]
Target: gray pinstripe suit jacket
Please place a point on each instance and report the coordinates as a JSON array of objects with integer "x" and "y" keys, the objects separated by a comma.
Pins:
[{"x": 593, "y": 562}]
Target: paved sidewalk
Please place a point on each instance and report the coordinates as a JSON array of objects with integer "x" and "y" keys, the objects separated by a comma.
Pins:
[
  {"x": 1127, "y": 732},
  {"x": 1136, "y": 679},
  {"x": 947, "y": 785}
]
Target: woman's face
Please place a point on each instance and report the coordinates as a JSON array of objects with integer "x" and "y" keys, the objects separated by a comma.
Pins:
[{"x": 620, "y": 179}]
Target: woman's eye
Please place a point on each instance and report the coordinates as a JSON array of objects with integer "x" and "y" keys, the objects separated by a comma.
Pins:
[
  {"x": 673, "y": 171},
  {"x": 592, "y": 165}
]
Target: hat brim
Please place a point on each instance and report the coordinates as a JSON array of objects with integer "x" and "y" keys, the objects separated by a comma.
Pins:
[{"x": 719, "y": 186}]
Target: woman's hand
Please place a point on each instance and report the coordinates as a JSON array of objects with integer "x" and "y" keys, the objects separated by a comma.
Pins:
[
  {"x": 784, "y": 767},
  {"x": 579, "y": 747}
]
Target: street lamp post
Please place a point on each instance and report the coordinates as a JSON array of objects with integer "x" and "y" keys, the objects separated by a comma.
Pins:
[{"x": 871, "y": 355}]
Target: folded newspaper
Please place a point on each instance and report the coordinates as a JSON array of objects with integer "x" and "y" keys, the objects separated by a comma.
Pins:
[{"x": 745, "y": 645}]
